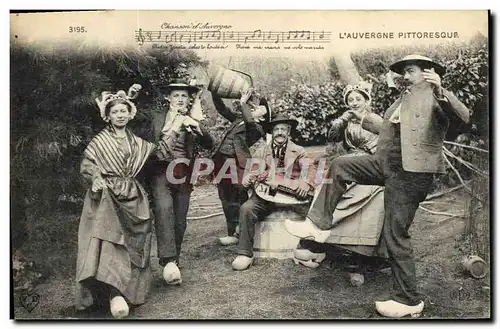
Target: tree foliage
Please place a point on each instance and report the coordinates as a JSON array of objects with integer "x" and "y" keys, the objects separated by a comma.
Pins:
[{"x": 316, "y": 105}]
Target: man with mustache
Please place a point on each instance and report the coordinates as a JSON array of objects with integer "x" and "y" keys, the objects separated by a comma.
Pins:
[
  {"x": 409, "y": 153},
  {"x": 282, "y": 158}
]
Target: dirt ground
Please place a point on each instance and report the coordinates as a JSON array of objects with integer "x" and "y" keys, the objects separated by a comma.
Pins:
[{"x": 280, "y": 289}]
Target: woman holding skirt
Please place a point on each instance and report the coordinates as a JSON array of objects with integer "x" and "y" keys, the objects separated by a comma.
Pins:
[{"x": 114, "y": 237}]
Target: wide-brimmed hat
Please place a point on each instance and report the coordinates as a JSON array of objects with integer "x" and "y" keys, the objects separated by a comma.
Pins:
[
  {"x": 281, "y": 118},
  {"x": 179, "y": 84},
  {"x": 399, "y": 66}
]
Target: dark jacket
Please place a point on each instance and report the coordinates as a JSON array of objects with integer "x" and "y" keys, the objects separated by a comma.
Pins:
[{"x": 244, "y": 131}]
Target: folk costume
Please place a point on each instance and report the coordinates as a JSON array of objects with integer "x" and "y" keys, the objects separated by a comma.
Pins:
[
  {"x": 288, "y": 158},
  {"x": 114, "y": 236},
  {"x": 359, "y": 215},
  {"x": 409, "y": 153}
]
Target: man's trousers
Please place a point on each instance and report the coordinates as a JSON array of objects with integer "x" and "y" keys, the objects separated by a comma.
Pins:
[
  {"x": 402, "y": 194},
  {"x": 171, "y": 205},
  {"x": 232, "y": 194}
]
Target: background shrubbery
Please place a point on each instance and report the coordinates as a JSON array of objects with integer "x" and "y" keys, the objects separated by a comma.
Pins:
[
  {"x": 54, "y": 115},
  {"x": 315, "y": 105}
]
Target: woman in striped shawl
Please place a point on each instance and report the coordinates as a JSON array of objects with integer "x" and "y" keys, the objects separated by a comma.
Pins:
[{"x": 114, "y": 237}]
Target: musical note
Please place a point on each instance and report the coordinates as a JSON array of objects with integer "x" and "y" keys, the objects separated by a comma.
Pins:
[
  {"x": 321, "y": 36},
  {"x": 187, "y": 35},
  {"x": 255, "y": 32},
  {"x": 159, "y": 35},
  {"x": 140, "y": 37},
  {"x": 173, "y": 37},
  {"x": 270, "y": 34},
  {"x": 308, "y": 33},
  {"x": 216, "y": 35}
]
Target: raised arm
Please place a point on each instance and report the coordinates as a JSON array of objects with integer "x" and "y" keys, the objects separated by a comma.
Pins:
[
  {"x": 447, "y": 101},
  {"x": 222, "y": 108},
  {"x": 452, "y": 106},
  {"x": 244, "y": 109},
  {"x": 336, "y": 131},
  {"x": 254, "y": 130}
]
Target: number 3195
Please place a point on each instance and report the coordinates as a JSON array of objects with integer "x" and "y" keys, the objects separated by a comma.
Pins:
[{"x": 77, "y": 29}]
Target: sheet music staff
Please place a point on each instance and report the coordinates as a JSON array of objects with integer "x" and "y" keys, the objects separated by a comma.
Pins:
[{"x": 256, "y": 36}]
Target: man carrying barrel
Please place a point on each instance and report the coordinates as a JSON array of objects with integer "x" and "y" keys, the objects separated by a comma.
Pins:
[
  {"x": 245, "y": 130},
  {"x": 283, "y": 165}
]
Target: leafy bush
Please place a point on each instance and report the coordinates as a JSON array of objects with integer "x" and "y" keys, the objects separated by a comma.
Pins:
[{"x": 316, "y": 105}]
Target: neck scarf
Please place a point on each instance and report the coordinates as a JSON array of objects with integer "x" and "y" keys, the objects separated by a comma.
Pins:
[{"x": 279, "y": 153}]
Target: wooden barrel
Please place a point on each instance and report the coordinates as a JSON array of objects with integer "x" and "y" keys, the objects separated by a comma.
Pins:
[
  {"x": 272, "y": 240},
  {"x": 228, "y": 83}
]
